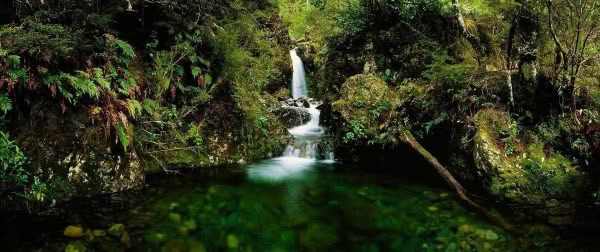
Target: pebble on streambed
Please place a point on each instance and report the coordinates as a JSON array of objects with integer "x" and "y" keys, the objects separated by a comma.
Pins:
[{"x": 77, "y": 232}]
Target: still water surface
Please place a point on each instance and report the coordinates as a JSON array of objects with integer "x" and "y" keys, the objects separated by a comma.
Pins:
[{"x": 282, "y": 204}]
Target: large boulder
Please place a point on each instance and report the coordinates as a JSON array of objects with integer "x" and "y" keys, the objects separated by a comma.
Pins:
[
  {"x": 292, "y": 116},
  {"x": 518, "y": 171},
  {"x": 360, "y": 94}
]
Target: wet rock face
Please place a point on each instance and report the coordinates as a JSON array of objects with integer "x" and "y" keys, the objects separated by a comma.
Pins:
[
  {"x": 68, "y": 148},
  {"x": 292, "y": 116},
  {"x": 301, "y": 102},
  {"x": 538, "y": 182}
]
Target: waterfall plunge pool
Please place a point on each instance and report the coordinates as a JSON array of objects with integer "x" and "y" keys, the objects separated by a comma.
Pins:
[{"x": 282, "y": 204}]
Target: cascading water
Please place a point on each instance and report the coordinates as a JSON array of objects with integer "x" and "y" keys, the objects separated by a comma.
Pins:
[
  {"x": 306, "y": 137},
  {"x": 300, "y": 155},
  {"x": 298, "y": 81}
]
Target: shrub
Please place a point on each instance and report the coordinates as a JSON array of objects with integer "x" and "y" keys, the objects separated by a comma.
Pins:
[{"x": 13, "y": 176}]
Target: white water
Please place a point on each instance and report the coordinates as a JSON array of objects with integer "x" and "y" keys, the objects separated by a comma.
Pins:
[
  {"x": 298, "y": 81},
  {"x": 301, "y": 155},
  {"x": 306, "y": 137}
]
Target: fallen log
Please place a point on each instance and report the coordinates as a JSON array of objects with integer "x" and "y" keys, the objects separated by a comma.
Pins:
[{"x": 460, "y": 190}]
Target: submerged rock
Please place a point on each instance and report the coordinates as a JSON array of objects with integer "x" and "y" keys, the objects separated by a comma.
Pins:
[
  {"x": 491, "y": 235},
  {"x": 116, "y": 230},
  {"x": 99, "y": 232},
  {"x": 74, "y": 232},
  {"x": 232, "y": 241},
  {"x": 76, "y": 246}
]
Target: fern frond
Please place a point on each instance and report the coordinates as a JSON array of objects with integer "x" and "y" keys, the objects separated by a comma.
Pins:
[
  {"x": 134, "y": 108},
  {"x": 150, "y": 106},
  {"x": 5, "y": 103},
  {"x": 126, "y": 48},
  {"x": 14, "y": 60},
  {"x": 123, "y": 87},
  {"x": 100, "y": 78},
  {"x": 17, "y": 73},
  {"x": 123, "y": 137},
  {"x": 83, "y": 85}
]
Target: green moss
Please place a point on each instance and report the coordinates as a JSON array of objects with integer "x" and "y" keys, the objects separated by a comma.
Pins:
[
  {"x": 551, "y": 175},
  {"x": 531, "y": 176}
]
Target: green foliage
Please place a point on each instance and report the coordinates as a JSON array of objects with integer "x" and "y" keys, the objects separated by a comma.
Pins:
[
  {"x": 168, "y": 68},
  {"x": 14, "y": 60},
  {"x": 319, "y": 20},
  {"x": 409, "y": 10},
  {"x": 509, "y": 136},
  {"x": 352, "y": 19},
  {"x": 547, "y": 176},
  {"x": 356, "y": 132},
  {"x": 123, "y": 137},
  {"x": 38, "y": 191},
  {"x": 42, "y": 41},
  {"x": 547, "y": 132},
  {"x": 13, "y": 176},
  {"x": 5, "y": 103},
  {"x": 126, "y": 48},
  {"x": 440, "y": 119},
  {"x": 444, "y": 71},
  {"x": 83, "y": 85},
  {"x": 135, "y": 108},
  {"x": 194, "y": 134},
  {"x": 150, "y": 106}
]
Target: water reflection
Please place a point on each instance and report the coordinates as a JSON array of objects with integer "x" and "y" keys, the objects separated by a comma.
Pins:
[{"x": 283, "y": 169}]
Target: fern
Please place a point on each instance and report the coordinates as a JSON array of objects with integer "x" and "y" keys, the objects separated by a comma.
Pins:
[
  {"x": 83, "y": 84},
  {"x": 123, "y": 87},
  {"x": 126, "y": 48},
  {"x": 163, "y": 71},
  {"x": 14, "y": 60},
  {"x": 150, "y": 106},
  {"x": 103, "y": 82},
  {"x": 5, "y": 103},
  {"x": 134, "y": 107},
  {"x": 17, "y": 73},
  {"x": 123, "y": 137}
]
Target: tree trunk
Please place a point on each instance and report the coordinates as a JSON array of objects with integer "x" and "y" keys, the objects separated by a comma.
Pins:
[
  {"x": 509, "y": 62},
  {"x": 460, "y": 190},
  {"x": 459, "y": 17}
]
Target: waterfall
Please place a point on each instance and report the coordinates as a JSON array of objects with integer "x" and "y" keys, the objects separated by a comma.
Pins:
[
  {"x": 306, "y": 136},
  {"x": 298, "y": 80}
]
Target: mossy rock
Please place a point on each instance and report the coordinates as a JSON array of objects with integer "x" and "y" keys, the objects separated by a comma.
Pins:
[
  {"x": 76, "y": 246},
  {"x": 73, "y": 151},
  {"x": 542, "y": 183},
  {"x": 360, "y": 95}
]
